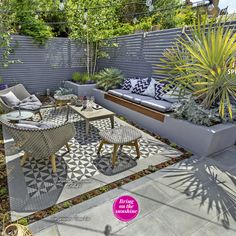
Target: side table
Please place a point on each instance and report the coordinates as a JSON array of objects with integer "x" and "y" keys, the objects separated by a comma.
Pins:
[
  {"x": 124, "y": 135},
  {"x": 15, "y": 116}
]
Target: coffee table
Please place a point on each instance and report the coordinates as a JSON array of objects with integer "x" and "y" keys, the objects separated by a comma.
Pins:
[
  {"x": 123, "y": 135},
  {"x": 89, "y": 116},
  {"x": 14, "y": 116}
]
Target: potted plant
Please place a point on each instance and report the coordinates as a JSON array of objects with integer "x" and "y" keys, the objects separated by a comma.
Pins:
[
  {"x": 83, "y": 78},
  {"x": 109, "y": 78}
]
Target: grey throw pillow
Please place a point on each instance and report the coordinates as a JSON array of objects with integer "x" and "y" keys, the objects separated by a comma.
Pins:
[{"x": 150, "y": 91}]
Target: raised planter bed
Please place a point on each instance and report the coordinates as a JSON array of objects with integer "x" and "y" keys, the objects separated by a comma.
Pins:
[
  {"x": 80, "y": 89},
  {"x": 200, "y": 140}
]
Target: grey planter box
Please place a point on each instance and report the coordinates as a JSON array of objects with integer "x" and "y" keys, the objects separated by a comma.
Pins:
[
  {"x": 80, "y": 89},
  {"x": 200, "y": 140}
]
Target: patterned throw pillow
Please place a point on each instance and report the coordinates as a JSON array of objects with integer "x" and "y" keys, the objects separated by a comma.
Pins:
[
  {"x": 160, "y": 90},
  {"x": 150, "y": 91},
  {"x": 141, "y": 86},
  {"x": 127, "y": 84}
]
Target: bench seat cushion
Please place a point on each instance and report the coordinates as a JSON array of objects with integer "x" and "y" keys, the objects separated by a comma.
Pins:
[
  {"x": 146, "y": 101},
  {"x": 119, "y": 92},
  {"x": 158, "y": 105},
  {"x": 136, "y": 98}
]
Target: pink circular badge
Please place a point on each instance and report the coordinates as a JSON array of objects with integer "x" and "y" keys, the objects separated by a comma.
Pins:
[{"x": 125, "y": 208}]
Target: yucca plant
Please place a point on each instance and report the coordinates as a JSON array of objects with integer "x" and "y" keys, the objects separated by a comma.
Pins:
[
  {"x": 109, "y": 78},
  {"x": 200, "y": 63}
]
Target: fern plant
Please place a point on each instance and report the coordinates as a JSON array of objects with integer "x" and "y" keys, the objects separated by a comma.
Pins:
[
  {"x": 199, "y": 63},
  {"x": 109, "y": 78}
]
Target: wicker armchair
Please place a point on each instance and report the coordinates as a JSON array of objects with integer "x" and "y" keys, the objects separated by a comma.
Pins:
[
  {"x": 21, "y": 93},
  {"x": 41, "y": 143}
]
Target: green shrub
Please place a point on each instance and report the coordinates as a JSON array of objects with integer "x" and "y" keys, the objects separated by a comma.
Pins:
[
  {"x": 23, "y": 221},
  {"x": 189, "y": 110},
  {"x": 67, "y": 204},
  {"x": 83, "y": 78},
  {"x": 109, "y": 78},
  {"x": 76, "y": 77}
]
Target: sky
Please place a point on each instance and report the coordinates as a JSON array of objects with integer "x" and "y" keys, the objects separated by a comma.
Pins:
[
  {"x": 224, "y": 3},
  {"x": 230, "y": 3}
]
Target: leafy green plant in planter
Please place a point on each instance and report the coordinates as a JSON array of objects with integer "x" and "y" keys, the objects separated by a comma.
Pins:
[
  {"x": 76, "y": 77},
  {"x": 109, "y": 78},
  {"x": 63, "y": 91},
  {"x": 83, "y": 78},
  {"x": 189, "y": 110},
  {"x": 199, "y": 63}
]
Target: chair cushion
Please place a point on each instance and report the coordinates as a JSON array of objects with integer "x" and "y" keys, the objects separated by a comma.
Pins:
[
  {"x": 141, "y": 86},
  {"x": 157, "y": 104},
  {"x": 10, "y": 99},
  {"x": 31, "y": 103},
  {"x": 39, "y": 125},
  {"x": 27, "y": 126},
  {"x": 119, "y": 92}
]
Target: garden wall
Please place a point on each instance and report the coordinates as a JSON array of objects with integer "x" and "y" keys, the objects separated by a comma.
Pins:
[{"x": 43, "y": 67}]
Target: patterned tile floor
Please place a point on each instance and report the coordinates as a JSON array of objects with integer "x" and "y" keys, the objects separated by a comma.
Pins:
[
  {"x": 34, "y": 186},
  {"x": 82, "y": 161}
]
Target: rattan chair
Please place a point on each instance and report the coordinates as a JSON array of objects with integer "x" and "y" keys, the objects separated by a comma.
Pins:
[
  {"x": 41, "y": 143},
  {"x": 21, "y": 93}
]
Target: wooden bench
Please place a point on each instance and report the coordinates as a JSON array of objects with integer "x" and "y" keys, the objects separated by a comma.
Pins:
[{"x": 157, "y": 115}]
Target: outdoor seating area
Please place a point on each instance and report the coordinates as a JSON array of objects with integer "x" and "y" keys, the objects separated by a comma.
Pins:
[{"x": 117, "y": 118}]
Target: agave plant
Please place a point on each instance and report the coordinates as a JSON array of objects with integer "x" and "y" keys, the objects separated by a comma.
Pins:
[
  {"x": 109, "y": 78},
  {"x": 200, "y": 63}
]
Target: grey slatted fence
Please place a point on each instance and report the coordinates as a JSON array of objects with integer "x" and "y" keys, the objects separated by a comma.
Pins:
[
  {"x": 138, "y": 54},
  {"x": 46, "y": 66}
]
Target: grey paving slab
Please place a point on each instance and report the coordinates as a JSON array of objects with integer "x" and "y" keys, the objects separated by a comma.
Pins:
[
  {"x": 52, "y": 231},
  {"x": 227, "y": 226},
  {"x": 147, "y": 226},
  {"x": 194, "y": 197},
  {"x": 97, "y": 218},
  {"x": 185, "y": 216},
  {"x": 152, "y": 196}
]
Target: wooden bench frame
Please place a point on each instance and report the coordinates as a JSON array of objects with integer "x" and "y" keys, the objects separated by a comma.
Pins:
[{"x": 136, "y": 107}]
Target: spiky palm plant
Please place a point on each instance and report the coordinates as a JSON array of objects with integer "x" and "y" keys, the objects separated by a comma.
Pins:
[
  {"x": 199, "y": 63},
  {"x": 109, "y": 78}
]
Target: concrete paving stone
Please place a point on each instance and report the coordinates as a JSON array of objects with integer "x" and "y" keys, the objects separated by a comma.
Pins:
[
  {"x": 226, "y": 227},
  {"x": 190, "y": 182},
  {"x": 50, "y": 231},
  {"x": 147, "y": 226},
  {"x": 186, "y": 216},
  {"x": 97, "y": 218},
  {"x": 153, "y": 196},
  {"x": 225, "y": 159}
]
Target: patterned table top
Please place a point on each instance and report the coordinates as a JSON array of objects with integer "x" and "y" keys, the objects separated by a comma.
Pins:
[
  {"x": 121, "y": 135},
  {"x": 15, "y": 115}
]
